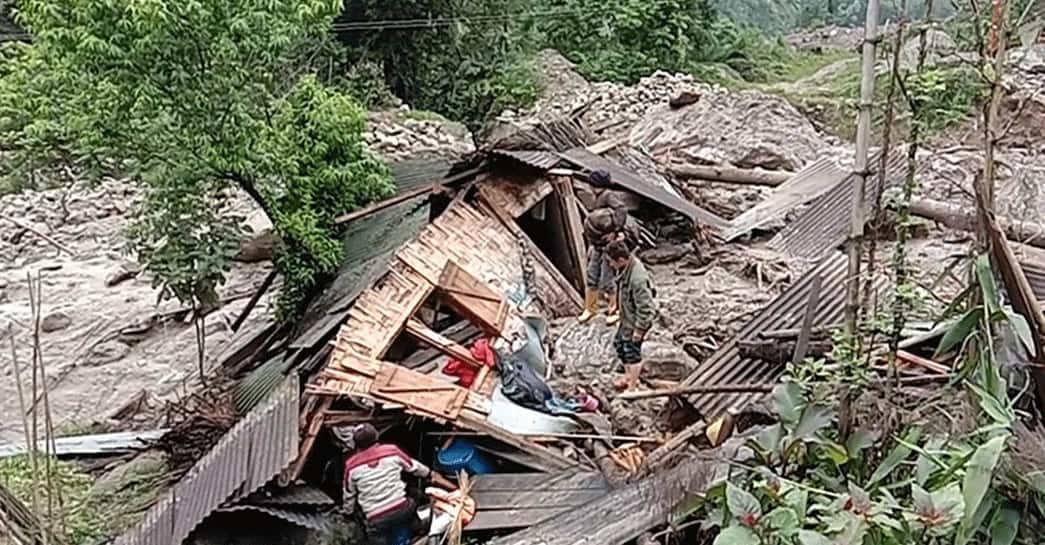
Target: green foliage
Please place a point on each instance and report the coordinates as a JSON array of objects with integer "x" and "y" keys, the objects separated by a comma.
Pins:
[
  {"x": 624, "y": 40},
  {"x": 197, "y": 100},
  {"x": 87, "y": 513},
  {"x": 468, "y": 66},
  {"x": 316, "y": 147},
  {"x": 945, "y": 96}
]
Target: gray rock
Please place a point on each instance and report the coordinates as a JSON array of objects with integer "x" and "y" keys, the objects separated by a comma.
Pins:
[
  {"x": 55, "y": 321},
  {"x": 106, "y": 352},
  {"x": 126, "y": 272}
]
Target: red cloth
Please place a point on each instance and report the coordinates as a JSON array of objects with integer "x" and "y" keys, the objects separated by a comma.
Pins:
[{"x": 464, "y": 372}]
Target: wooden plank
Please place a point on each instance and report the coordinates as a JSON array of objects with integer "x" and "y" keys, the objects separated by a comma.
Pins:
[
  {"x": 489, "y": 501},
  {"x": 544, "y": 482},
  {"x": 405, "y": 196},
  {"x": 444, "y": 345},
  {"x": 513, "y": 197},
  {"x": 621, "y": 515},
  {"x": 419, "y": 392},
  {"x": 575, "y": 300},
  {"x": 574, "y": 231},
  {"x": 507, "y": 519},
  {"x": 472, "y": 299}
]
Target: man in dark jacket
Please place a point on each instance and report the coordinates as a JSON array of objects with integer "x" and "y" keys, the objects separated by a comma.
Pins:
[
  {"x": 608, "y": 222},
  {"x": 638, "y": 310}
]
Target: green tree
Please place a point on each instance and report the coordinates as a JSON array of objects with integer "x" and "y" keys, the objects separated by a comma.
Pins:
[
  {"x": 466, "y": 59},
  {"x": 197, "y": 100}
]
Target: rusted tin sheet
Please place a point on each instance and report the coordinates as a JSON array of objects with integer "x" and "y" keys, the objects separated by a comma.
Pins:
[
  {"x": 633, "y": 182},
  {"x": 825, "y": 225},
  {"x": 727, "y": 366},
  {"x": 254, "y": 451}
]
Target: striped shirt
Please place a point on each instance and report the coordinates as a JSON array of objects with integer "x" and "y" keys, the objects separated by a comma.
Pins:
[{"x": 373, "y": 478}]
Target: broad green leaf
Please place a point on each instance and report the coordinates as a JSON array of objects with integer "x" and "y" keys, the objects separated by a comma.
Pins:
[
  {"x": 948, "y": 503},
  {"x": 853, "y": 532},
  {"x": 783, "y": 520},
  {"x": 736, "y": 535},
  {"x": 813, "y": 419},
  {"x": 923, "y": 501},
  {"x": 978, "y": 472},
  {"x": 797, "y": 499},
  {"x": 742, "y": 504},
  {"x": 859, "y": 440},
  {"x": 1036, "y": 480},
  {"x": 789, "y": 402},
  {"x": 860, "y": 499},
  {"x": 927, "y": 461},
  {"x": 1023, "y": 332},
  {"x": 809, "y": 537},
  {"x": 957, "y": 334},
  {"x": 989, "y": 289},
  {"x": 1005, "y": 526},
  {"x": 835, "y": 452},
  {"x": 895, "y": 457}
]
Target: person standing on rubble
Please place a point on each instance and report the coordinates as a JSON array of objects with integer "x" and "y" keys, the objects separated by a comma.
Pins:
[
  {"x": 638, "y": 310},
  {"x": 373, "y": 479},
  {"x": 608, "y": 222}
]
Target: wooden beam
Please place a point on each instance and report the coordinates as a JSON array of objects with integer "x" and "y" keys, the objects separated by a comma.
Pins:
[
  {"x": 556, "y": 276},
  {"x": 292, "y": 473},
  {"x": 732, "y": 175},
  {"x": 404, "y": 196},
  {"x": 715, "y": 389},
  {"x": 574, "y": 230},
  {"x": 265, "y": 285},
  {"x": 660, "y": 454},
  {"x": 807, "y": 320},
  {"x": 432, "y": 338}
]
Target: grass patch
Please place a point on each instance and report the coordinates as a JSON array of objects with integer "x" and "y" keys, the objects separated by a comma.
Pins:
[{"x": 81, "y": 511}]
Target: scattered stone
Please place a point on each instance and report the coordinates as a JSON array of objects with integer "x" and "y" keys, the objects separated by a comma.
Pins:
[
  {"x": 55, "y": 321},
  {"x": 106, "y": 352},
  {"x": 126, "y": 272},
  {"x": 685, "y": 98},
  {"x": 257, "y": 248}
]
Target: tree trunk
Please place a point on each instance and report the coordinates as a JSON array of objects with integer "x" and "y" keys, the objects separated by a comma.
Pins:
[
  {"x": 964, "y": 219},
  {"x": 728, "y": 174}
]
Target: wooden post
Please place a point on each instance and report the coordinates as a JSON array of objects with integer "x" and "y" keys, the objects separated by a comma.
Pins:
[
  {"x": 807, "y": 320},
  {"x": 863, "y": 139}
]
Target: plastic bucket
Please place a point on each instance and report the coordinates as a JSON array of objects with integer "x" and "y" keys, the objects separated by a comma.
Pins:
[{"x": 462, "y": 454}]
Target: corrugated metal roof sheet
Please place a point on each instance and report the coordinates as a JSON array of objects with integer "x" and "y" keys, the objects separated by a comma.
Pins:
[
  {"x": 99, "y": 443},
  {"x": 1035, "y": 273},
  {"x": 726, "y": 366},
  {"x": 825, "y": 225},
  {"x": 543, "y": 160},
  {"x": 416, "y": 172},
  {"x": 629, "y": 180},
  {"x": 294, "y": 495},
  {"x": 370, "y": 243},
  {"x": 311, "y": 519},
  {"x": 806, "y": 185},
  {"x": 254, "y": 451}
]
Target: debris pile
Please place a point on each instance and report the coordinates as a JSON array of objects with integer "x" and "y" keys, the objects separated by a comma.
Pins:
[
  {"x": 404, "y": 133},
  {"x": 196, "y": 424}
]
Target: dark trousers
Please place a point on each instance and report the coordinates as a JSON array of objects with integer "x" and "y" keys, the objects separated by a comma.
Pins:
[
  {"x": 629, "y": 352},
  {"x": 381, "y": 530}
]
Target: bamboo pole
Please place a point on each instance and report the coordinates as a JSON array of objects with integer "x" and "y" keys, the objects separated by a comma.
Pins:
[
  {"x": 30, "y": 445},
  {"x": 863, "y": 140},
  {"x": 732, "y": 175}
]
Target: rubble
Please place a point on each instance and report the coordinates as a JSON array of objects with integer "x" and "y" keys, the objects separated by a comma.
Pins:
[{"x": 404, "y": 133}]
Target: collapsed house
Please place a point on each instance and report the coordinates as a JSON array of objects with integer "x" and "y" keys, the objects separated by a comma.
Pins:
[{"x": 474, "y": 259}]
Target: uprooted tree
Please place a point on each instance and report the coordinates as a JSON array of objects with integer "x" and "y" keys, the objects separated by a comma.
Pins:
[{"x": 197, "y": 101}]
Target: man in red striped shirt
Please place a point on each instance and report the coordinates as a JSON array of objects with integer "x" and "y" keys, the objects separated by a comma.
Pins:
[{"x": 373, "y": 479}]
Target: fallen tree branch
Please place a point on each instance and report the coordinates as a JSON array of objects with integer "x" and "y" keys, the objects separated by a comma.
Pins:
[{"x": 37, "y": 232}]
